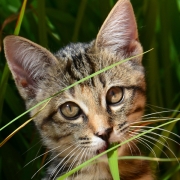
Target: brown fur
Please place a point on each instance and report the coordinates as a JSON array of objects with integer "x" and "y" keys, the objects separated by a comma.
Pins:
[{"x": 39, "y": 74}]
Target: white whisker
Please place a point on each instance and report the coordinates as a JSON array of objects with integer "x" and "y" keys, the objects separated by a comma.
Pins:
[
  {"x": 51, "y": 159},
  {"x": 80, "y": 159},
  {"x": 150, "y": 127},
  {"x": 53, "y": 172},
  {"x": 128, "y": 146},
  {"x": 155, "y": 144},
  {"x": 160, "y": 142},
  {"x": 150, "y": 105},
  {"x": 135, "y": 145},
  {"x": 140, "y": 139},
  {"x": 160, "y": 112},
  {"x": 75, "y": 159}
]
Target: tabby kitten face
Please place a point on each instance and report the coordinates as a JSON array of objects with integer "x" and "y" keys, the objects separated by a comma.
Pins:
[{"x": 81, "y": 122}]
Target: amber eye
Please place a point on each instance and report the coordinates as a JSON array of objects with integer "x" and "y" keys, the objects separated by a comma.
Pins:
[
  {"x": 70, "y": 110},
  {"x": 114, "y": 95}
]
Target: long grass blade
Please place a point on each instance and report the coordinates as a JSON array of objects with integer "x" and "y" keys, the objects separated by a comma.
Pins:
[
  {"x": 6, "y": 72},
  {"x": 42, "y": 23},
  {"x": 170, "y": 172},
  {"x": 166, "y": 134},
  {"x": 79, "y": 18},
  {"x": 113, "y": 163},
  {"x": 20, "y": 18},
  {"x": 72, "y": 85},
  {"x": 24, "y": 124},
  {"x": 113, "y": 148}
]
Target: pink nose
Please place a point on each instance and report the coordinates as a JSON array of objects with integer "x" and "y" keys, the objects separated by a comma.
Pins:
[{"x": 104, "y": 134}]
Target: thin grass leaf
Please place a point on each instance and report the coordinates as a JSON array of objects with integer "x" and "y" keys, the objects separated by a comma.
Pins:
[
  {"x": 6, "y": 72},
  {"x": 72, "y": 85},
  {"x": 4, "y": 24},
  {"x": 113, "y": 162},
  {"x": 24, "y": 124},
  {"x": 3, "y": 85},
  {"x": 170, "y": 172},
  {"x": 148, "y": 158},
  {"x": 152, "y": 33},
  {"x": 20, "y": 18},
  {"x": 158, "y": 147},
  {"x": 42, "y": 23},
  {"x": 79, "y": 18},
  {"x": 113, "y": 148}
]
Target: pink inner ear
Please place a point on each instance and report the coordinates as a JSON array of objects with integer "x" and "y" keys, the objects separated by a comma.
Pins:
[
  {"x": 21, "y": 76},
  {"x": 28, "y": 63},
  {"x": 119, "y": 28}
]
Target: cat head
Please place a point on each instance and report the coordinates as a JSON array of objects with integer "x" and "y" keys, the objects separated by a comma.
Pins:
[{"x": 96, "y": 112}]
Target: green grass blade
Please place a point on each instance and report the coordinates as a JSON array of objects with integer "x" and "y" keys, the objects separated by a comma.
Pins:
[
  {"x": 42, "y": 23},
  {"x": 170, "y": 172},
  {"x": 113, "y": 163},
  {"x": 6, "y": 72},
  {"x": 72, "y": 85},
  {"x": 20, "y": 18},
  {"x": 79, "y": 18},
  {"x": 148, "y": 158},
  {"x": 158, "y": 147},
  {"x": 113, "y": 148},
  {"x": 3, "y": 86}
]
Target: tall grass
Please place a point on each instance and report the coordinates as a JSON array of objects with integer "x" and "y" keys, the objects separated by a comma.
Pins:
[{"x": 50, "y": 23}]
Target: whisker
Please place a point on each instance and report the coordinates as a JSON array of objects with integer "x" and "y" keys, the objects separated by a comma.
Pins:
[
  {"x": 141, "y": 140},
  {"x": 146, "y": 120},
  {"x": 53, "y": 172},
  {"x": 80, "y": 159},
  {"x": 163, "y": 137},
  {"x": 150, "y": 127},
  {"x": 76, "y": 165},
  {"x": 159, "y": 118},
  {"x": 155, "y": 144},
  {"x": 135, "y": 145},
  {"x": 41, "y": 155},
  {"x": 159, "y": 112},
  {"x": 150, "y": 120},
  {"x": 162, "y": 117},
  {"x": 88, "y": 151},
  {"x": 51, "y": 160},
  {"x": 128, "y": 146},
  {"x": 150, "y": 105},
  {"x": 73, "y": 162},
  {"x": 31, "y": 147},
  {"x": 160, "y": 142}
]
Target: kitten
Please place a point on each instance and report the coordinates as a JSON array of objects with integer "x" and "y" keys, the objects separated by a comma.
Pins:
[{"x": 82, "y": 121}]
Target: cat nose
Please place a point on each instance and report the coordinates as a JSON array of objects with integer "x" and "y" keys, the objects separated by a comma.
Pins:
[{"x": 104, "y": 134}]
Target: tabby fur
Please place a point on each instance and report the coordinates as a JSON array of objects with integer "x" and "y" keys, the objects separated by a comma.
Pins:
[{"x": 39, "y": 74}]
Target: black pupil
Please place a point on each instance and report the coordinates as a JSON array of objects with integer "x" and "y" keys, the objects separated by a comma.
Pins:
[
  {"x": 70, "y": 110},
  {"x": 69, "y": 107},
  {"x": 114, "y": 95}
]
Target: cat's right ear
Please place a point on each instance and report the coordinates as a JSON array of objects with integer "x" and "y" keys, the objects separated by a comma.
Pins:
[
  {"x": 28, "y": 63},
  {"x": 119, "y": 30}
]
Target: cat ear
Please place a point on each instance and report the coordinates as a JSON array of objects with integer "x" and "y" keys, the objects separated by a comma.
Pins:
[
  {"x": 28, "y": 63},
  {"x": 119, "y": 31}
]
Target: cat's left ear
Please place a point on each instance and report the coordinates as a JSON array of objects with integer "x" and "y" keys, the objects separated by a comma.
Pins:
[
  {"x": 119, "y": 31},
  {"x": 29, "y": 63}
]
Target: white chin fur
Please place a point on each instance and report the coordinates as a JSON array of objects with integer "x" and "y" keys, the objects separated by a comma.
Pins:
[{"x": 97, "y": 143}]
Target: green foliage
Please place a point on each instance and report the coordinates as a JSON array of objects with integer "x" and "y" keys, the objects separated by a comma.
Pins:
[
  {"x": 55, "y": 23},
  {"x": 113, "y": 162}
]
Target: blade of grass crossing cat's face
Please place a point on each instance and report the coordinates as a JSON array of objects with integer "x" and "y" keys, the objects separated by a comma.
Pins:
[{"x": 95, "y": 113}]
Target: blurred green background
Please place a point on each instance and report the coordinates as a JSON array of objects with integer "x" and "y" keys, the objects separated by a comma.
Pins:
[{"x": 55, "y": 23}]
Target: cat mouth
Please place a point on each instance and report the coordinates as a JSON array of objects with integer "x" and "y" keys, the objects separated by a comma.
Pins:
[{"x": 104, "y": 148}]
